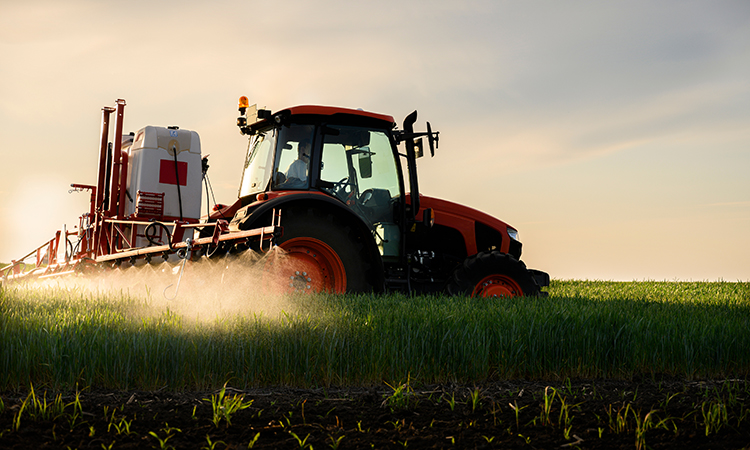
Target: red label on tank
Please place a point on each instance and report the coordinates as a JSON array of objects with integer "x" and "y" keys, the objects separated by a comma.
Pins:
[{"x": 167, "y": 174}]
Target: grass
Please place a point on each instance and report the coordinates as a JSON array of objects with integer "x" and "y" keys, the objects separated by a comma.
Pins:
[{"x": 61, "y": 338}]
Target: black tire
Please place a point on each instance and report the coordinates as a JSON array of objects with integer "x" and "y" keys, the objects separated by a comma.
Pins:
[
  {"x": 492, "y": 274},
  {"x": 360, "y": 274}
]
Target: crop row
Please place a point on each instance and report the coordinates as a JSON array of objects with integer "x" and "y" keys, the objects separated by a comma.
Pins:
[
  {"x": 572, "y": 414},
  {"x": 62, "y": 337}
]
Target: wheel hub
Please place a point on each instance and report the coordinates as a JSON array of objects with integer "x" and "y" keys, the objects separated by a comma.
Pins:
[
  {"x": 300, "y": 281},
  {"x": 497, "y": 286}
]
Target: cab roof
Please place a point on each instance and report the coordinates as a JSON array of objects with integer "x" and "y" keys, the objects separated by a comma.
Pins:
[
  {"x": 332, "y": 110},
  {"x": 310, "y": 112}
]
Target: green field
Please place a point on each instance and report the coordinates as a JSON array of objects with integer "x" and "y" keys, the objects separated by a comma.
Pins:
[{"x": 60, "y": 338}]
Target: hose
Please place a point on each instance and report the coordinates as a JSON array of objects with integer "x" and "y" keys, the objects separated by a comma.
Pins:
[
  {"x": 177, "y": 179},
  {"x": 151, "y": 236}
]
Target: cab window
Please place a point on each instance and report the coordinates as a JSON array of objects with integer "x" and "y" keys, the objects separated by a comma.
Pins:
[{"x": 292, "y": 163}]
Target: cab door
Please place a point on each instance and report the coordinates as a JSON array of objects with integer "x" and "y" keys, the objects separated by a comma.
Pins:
[{"x": 358, "y": 167}]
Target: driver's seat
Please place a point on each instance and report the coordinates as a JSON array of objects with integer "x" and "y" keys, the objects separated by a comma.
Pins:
[{"x": 376, "y": 204}]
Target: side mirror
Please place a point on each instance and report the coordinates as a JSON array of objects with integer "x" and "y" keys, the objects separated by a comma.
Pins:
[
  {"x": 432, "y": 139},
  {"x": 365, "y": 164}
]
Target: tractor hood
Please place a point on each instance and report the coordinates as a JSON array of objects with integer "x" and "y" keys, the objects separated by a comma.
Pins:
[{"x": 465, "y": 220}]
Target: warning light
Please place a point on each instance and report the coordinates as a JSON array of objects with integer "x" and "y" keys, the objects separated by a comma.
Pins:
[{"x": 244, "y": 103}]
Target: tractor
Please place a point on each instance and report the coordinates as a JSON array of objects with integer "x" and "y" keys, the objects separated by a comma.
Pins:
[{"x": 336, "y": 182}]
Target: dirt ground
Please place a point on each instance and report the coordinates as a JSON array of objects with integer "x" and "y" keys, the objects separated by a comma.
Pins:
[{"x": 586, "y": 414}]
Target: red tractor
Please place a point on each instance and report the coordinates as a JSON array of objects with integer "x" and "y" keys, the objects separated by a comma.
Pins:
[
  {"x": 326, "y": 185},
  {"x": 334, "y": 179}
]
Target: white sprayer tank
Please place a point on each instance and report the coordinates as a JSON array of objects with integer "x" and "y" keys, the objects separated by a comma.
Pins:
[{"x": 165, "y": 161}]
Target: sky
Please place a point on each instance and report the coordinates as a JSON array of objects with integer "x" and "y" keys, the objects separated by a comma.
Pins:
[{"x": 615, "y": 136}]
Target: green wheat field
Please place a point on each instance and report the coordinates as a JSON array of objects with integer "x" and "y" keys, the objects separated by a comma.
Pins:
[{"x": 63, "y": 338}]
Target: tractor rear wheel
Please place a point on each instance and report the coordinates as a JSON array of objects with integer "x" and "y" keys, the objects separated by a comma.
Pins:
[
  {"x": 323, "y": 254},
  {"x": 492, "y": 274}
]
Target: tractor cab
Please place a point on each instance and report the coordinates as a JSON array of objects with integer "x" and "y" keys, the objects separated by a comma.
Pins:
[{"x": 348, "y": 155}]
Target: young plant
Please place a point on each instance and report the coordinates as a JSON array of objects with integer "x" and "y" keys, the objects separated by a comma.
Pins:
[
  {"x": 162, "y": 442},
  {"x": 211, "y": 445},
  {"x": 451, "y": 401},
  {"x": 641, "y": 427},
  {"x": 335, "y": 442},
  {"x": 401, "y": 398},
  {"x": 618, "y": 422},
  {"x": 517, "y": 409},
  {"x": 302, "y": 442},
  {"x": 474, "y": 399},
  {"x": 225, "y": 406},
  {"x": 715, "y": 416},
  {"x": 565, "y": 419},
  {"x": 549, "y": 398},
  {"x": 123, "y": 427},
  {"x": 251, "y": 444}
]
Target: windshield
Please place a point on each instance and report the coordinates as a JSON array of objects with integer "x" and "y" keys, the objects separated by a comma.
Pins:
[{"x": 258, "y": 163}]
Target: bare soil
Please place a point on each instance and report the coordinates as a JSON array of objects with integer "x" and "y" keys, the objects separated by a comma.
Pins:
[{"x": 600, "y": 414}]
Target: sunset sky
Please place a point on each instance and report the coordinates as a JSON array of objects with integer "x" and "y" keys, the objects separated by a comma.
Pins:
[{"x": 614, "y": 135}]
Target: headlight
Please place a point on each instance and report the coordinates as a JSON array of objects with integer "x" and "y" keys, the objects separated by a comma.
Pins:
[{"x": 513, "y": 233}]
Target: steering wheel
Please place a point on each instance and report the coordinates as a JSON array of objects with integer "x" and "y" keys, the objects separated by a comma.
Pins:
[
  {"x": 339, "y": 185},
  {"x": 339, "y": 190}
]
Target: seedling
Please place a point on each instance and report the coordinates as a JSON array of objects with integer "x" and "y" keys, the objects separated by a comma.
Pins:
[
  {"x": 549, "y": 397},
  {"x": 251, "y": 444},
  {"x": 474, "y": 399},
  {"x": 212, "y": 445},
  {"x": 302, "y": 442},
  {"x": 335, "y": 442},
  {"x": 618, "y": 422},
  {"x": 714, "y": 416},
  {"x": 162, "y": 442},
  {"x": 517, "y": 409},
  {"x": 402, "y": 396},
  {"x": 397, "y": 425},
  {"x": 225, "y": 406},
  {"x": 641, "y": 426},
  {"x": 451, "y": 401}
]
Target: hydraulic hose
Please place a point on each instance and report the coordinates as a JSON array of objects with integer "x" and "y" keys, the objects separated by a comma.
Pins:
[{"x": 151, "y": 236}]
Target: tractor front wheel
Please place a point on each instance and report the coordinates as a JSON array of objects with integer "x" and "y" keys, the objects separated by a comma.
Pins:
[{"x": 492, "y": 274}]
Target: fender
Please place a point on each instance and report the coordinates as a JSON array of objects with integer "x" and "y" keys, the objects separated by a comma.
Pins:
[{"x": 248, "y": 216}]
